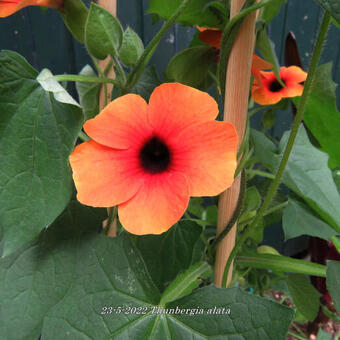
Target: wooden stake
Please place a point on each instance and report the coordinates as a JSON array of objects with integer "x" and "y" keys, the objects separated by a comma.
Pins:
[
  {"x": 111, "y": 6},
  {"x": 235, "y": 111}
]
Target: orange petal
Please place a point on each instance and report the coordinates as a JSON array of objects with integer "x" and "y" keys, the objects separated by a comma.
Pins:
[
  {"x": 104, "y": 177},
  {"x": 262, "y": 96},
  {"x": 159, "y": 204},
  {"x": 173, "y": 106},
  {"x": 292, "y": 90},
  {"x": 121, "y": 123},
  {"x": 206, "y": 154},
  {"x": 292, "y": 74},
  {"x": 260, "y": 64},
  {"x": 211, "y": 37},
  {"x": 8, "y": 7}
]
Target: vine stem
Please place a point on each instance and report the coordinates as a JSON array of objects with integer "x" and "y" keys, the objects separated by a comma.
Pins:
[
  {"x": 260, "y": 173},
  {"x": 150, "y": 49},
  {"x": 85, "y": 79},
  {"x": 295, "y": 128}
]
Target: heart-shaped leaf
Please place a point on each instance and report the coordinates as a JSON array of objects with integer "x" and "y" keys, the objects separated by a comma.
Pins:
[
  {"x": 299, "y": 220},
  {"x": 306, "y": 173},
  {"x": 103, "y": 33},
  {"x": 88, "y": 93},
  {"x": 196, "y": 12},
  {"x": 321, "y": 114},
  {"x": 37, "y": 134}
]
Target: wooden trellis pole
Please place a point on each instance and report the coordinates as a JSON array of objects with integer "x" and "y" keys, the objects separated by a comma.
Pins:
[
  {"x": 235, "y": 111},
  {"x": 111, "y": 6}
]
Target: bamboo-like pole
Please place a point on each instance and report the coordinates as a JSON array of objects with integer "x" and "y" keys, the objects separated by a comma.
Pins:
[
  {"x": 235, "y": 111},
  {"x": 111, "y": 6}
]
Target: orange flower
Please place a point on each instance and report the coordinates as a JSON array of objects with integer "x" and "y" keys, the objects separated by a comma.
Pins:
[
  {"x": 150, "y": 158},
  {"x": 259, "y": 64},
  {"x": 8, "y": 7},
  {"x": 267, "y": 90},
  {"x": 210, "y": 36},
  {"x": 213, "y": 36}
]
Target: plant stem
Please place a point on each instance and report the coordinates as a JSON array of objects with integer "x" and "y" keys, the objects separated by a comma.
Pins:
[
  {"x": 298, "y": 329},
  {"x": 295, "y": 128},
  {"x": 260, "y": 173},
  {"x": 85, "y": 79},
  {"x": 245, "y": 141},
  {"x": 275, "y": 208},
  {"x": 242, "y": 163},
  {"x": 282, "y": 264},
  {"x": 112, "y": 214},
  {"x": 268, "y": 212},
  {"x": 228, "y": 37},
  {"x": 119, "y": 68},
  {"x": 83, "y": 136},
  {"x": 260, "y": 108},
  {"x": 297, "y": 336},
  {"x": 150, "y": 49}
]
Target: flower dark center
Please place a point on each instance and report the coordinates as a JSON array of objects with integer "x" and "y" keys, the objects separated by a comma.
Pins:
[
  {"x": 155, "y": 156},
  {"x": 275, "y": 86}
]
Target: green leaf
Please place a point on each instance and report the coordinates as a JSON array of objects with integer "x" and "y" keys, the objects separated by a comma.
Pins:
[
  {"x": 332, "y": 7},
  {"x": 132, "y": 47},
  {"x": 169, "y": 254},
  {"x": 306, "y": 173},
  {"x": 333, "y": 282},
  {"x": 266, "y": 47},
  {"x": 74, "y": 14},
  {"x": 252, "y": 200},
  {"x": 196, "y": 13},
  {"x": 103, "y": 33},
  {"x": 185, "y": 283},
  {"x": 251, "y": 317},
  {"x": 305, "y": 297},
  {"x": 299, "y": 220},
  {"x": 271, "y": 10},
  {"x": 148, "y": 81},
  {"x": 265, "y": 149},
  {"x": 210, "y": 215},
  {"x": 88, "y": 93},
  {"x": 69, "y": 259},
  {"x": 322, "y": 335},
  {"x": 336, "y": 176},
  {"x": 195, "y": 206},
  {"x": 268, "y": 119},
  {"x": 78, "y": 284},
  {"x": 37, "y": 134},
  {"x": 191, "y": 66},
  {"x": 321, "y": 114},
  {"x": 50, "y": 84},
  {"x": 336, "y": 241}
]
